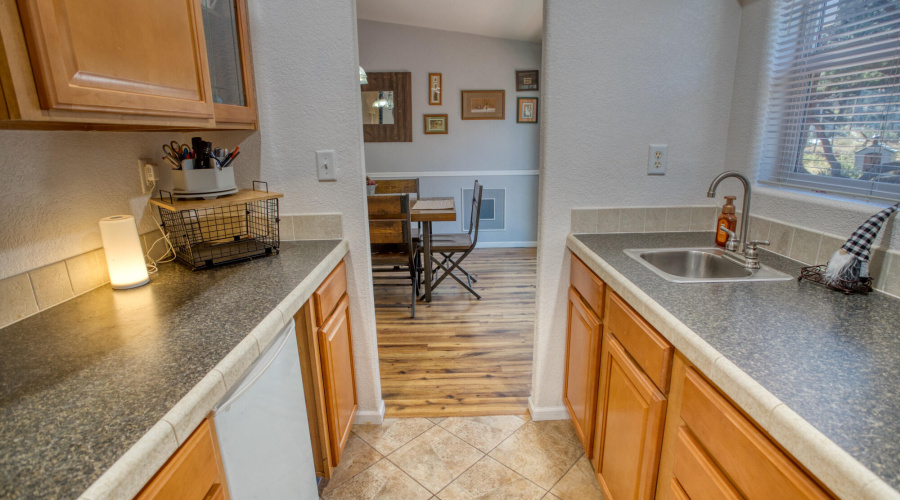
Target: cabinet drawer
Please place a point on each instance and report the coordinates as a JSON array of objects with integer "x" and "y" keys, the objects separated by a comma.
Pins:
[
  {"x": 191, "y": 473},
  {"x": 752, "y": 463},
  {"x": 330, "y": 292},
  {"x": 696, "y": 474},
  {"x": 587, "y": 284},
  {"x": 650, "y": 350}
]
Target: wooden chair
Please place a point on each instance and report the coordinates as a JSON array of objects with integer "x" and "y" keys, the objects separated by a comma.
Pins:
[
  {"x": 397, "y": 186},
  {"x": 448, "y": 245},
  {"x": 401, "y": 186},
  {"x": 390, "y": 238}
]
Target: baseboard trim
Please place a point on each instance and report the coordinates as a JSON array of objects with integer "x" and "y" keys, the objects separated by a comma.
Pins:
[
  {"x": 451, "y": 173},
  {"x": 547, "y": 412},
  {"x": 370, "y": 417},
  {"x": 506, "y": 244}
]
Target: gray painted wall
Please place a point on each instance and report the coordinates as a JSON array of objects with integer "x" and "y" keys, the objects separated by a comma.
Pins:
[{"x": 467, "y": 62}]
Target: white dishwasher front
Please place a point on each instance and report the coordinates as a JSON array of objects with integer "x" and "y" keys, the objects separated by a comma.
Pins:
[{"x": 263, "y": 429}]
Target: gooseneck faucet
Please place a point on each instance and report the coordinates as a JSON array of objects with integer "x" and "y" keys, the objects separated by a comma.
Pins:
[{"x": 744, "y": 252}]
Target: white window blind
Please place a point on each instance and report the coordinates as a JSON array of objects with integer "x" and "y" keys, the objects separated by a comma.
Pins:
[{"x": 833, "y": 121}]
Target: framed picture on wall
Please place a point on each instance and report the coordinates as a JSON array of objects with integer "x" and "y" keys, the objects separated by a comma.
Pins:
[
  {"x": 527, "y": 80},
  {"x": 527, "y": 110},
  {"x": 434, "y": 89},
  {"x": 483, "y": 104},
  {"x": 435, "y": 124}
]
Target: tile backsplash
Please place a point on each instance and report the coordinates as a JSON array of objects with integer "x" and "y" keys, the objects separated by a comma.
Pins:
[
  {"x": 28, "y": 293},
  {"x": 801, "y": 244}
]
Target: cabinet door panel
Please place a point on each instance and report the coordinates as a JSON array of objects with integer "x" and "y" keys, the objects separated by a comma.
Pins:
[
  {"x": 630, "y": 424},
  {"x": 114, "y": 56},
  {"x": 752, "y": 463},
  {"x": 230, "y": 63},
  {"x": 336, "y": 348},
  {"x": 192, "y": 472},
  {"x": 582, "y": 367},
  {"x": 696, "y": 473}
]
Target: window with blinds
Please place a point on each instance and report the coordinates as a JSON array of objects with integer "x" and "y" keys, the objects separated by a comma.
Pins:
[{"x": 833, "y": 122}]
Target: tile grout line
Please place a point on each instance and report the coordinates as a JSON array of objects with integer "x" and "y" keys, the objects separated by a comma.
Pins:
[{"x": 567, "y": 472}]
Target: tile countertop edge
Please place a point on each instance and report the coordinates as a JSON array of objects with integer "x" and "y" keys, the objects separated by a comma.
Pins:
[
  {"x": 833, "y": 466},
  {"x": 131, "y": 472}
]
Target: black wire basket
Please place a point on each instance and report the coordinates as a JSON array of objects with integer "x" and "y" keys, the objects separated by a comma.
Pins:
[
  {"x": 208, "y": 233},
  {"x": 816, "y": 274}
]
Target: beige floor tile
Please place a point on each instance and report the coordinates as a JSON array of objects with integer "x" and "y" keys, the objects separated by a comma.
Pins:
[
  {"x": 550, "y": 496},
  {"x": 357, "y": 457},
  {"x": 392, "y": 433},
  {"x": 526, "y": 417},
  {"x": 437, "y": 420},
  {"x": 484, "y": 433},
  {"x": 579, "y": 483},
  {"x": 382, "y": 481},
  {"x": 541, "y": 451},
  {"x": 489, "y": 479},
  {"x": 435, "y": 458}
]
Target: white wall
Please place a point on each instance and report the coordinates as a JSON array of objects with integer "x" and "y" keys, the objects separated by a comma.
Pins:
[
  {"x": 307, "y": 84},
  {"x": 745, "y": 142},
  {"x": 57, "y": 185},
  {"x": 467, "y": 62},
  {"x": 617, "y": 77}
]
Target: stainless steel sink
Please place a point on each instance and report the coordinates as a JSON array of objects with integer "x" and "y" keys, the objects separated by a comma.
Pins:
[{"x": 700, "y": 265}]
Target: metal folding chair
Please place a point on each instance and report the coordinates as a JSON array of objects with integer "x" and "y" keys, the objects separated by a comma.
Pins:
[{"x": 448, "y": 245}]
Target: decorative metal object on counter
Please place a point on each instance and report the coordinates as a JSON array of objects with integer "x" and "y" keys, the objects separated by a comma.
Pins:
[
  {"x": 816, "y": 274},
  {"x": 208, "y": 233}
]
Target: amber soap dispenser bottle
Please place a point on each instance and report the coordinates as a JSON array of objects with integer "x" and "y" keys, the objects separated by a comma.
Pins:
[{"x": 727, "y": 219}]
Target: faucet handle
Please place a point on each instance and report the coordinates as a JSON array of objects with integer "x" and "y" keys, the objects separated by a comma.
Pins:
[
  {"x": 754, "y": 243},
  {"x": 732, "y": 243}
]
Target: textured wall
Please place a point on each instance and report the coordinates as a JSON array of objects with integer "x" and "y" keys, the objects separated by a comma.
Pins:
[
  {"x": 840, "y": 217},
  {"x": 467, "y": 62},
  {"x": 307, "y": 83},
  {"x": 58, "y": 185},
  {"x": 617, "y": 77}
]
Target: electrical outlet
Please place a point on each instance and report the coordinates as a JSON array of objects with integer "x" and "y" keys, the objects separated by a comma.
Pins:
[
  {"x": 657, "y": 162},
  {"x": 147, "y": 173},
  {"x": 325, "y": 165}
]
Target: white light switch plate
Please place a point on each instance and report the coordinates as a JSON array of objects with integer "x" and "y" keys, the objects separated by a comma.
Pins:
[
  {"x": 656, "y": 164},
  {"x": 326, "y": 166}
]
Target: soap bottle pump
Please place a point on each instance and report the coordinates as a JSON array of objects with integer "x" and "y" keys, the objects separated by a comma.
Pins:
[{"x": 727, "y": 219}]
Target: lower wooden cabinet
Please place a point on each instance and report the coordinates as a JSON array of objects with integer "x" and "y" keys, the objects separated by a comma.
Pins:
[
  {"x": 629, "y": 426},
  {"x": 582, "y": 367},
  {"x": 713, "y": 451},
  {"x": 655, "y": 427},
  {"x": 325, "y": 343},
  {"x": 336, "y": 350},
  {"x": 194, "y": 472}
]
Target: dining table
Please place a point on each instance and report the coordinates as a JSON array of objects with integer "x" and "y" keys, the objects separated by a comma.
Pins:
[{"x": 426, "y": 217}]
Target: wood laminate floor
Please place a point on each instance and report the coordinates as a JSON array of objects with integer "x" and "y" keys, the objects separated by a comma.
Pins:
[{"x": 461, "y": 356}]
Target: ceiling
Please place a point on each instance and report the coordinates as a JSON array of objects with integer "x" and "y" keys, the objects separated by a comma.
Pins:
[{"x": 511, "y": 19}]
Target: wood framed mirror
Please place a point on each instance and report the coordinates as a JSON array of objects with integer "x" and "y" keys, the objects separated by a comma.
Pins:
[{"x": 387, "y": 107}]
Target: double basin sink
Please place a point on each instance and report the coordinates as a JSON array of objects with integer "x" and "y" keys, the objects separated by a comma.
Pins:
[{"x": 700, "y": 265}]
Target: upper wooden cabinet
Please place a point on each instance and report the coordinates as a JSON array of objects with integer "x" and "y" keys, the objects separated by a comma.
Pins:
[
  {"x": 112, "y": 64},
  {"x": 230, "y": 62}
]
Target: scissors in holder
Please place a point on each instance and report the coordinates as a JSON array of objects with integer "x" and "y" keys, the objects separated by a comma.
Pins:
[{"x": 176, "y": 152}]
